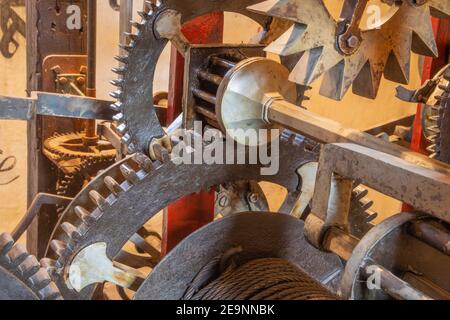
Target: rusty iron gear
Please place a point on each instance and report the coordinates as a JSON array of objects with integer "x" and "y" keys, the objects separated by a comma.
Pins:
[
  {"x": 21, "y": 275},
  {"x": 442, "y": 143},
  {"x": 147, "y": 187},
  {"x": 68, "y": 146},
  {"x": 138, "y": 123},
  {"x": 384, "y": 49}
]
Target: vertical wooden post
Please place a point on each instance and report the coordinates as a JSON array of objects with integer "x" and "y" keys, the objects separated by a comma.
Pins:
[
  {"x": 188, "y": 214},
  {"x": 47, "y": 34}
]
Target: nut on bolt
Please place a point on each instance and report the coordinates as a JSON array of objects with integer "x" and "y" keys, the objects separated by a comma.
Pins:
[
  {"x": 81, "y": 80},
  {"x": 63, "y": 80},
  {"x": 353, "y": 41},
  {"x": 253, "y": 197}
]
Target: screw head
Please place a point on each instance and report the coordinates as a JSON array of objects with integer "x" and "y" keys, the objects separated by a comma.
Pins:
[
  {"x": 81, "y": 80},
  {"x": 253, "y": 197},
  {"x": 353, "y": 41}
]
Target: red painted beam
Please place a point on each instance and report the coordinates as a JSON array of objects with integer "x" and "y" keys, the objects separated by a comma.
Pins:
[
  {"x": 190, "y": 213},
  {"x": 431, "y": 66}
]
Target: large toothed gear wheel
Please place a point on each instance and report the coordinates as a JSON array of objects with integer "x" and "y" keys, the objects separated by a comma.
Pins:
[
  {"x": 437, "y": 128},
  {"x": 382, "y": 48},
  {"x": 136, "y": 189},
  {"x": 68, "y": 146},
  {"x": 138, "y": 122},
  {"x": 21, "y": 275}
]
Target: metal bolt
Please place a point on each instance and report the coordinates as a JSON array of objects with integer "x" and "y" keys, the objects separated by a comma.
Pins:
[
  {"x": 81, "y": 80},
  {"x": 353, "y": 41},
  {"x": 83, "y": 70},
  {"x": 63, "y": 80},
  {"x": 223, "y": 201},
  {"x": 253, "y": 197}
]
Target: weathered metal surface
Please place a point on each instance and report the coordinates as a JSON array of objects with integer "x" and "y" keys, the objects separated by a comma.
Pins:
[
  {"x": 240, "y": 98},
  {"x": 40, "y": 200},
  {"x": 167, "y": 182},
  {"x": 424, "y": 188},
  {"x": 16, "y": 108},
  {"x": 241, "y": 196},
  {"x": 139, "y": 120},
  {"x": 274, "y": 110},
  {"x": 390, "y": 246},
  {"x": 73, "y": 106},
  {"x": 56, "y": 105},
  {"x": 394, "y": 286},
  {"x": 384, "y": 47},
  {"x": 57, "y": 67},
  {"x": 92, "y": 266},
  {"x": 261, "y": 235},
  {"x": 433, "y": 233},
  {"x": 204, "y": 71},
  {"x": 21, "y": 276}
]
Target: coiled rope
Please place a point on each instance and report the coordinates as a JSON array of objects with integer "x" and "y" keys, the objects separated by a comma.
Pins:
[{"x": 262, "y": 279}]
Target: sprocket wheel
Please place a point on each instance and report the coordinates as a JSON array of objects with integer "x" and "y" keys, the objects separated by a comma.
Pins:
[
  {"x": 138, "y": 122},
  {"x": 21, "y": 276},
  {"x": 382, "y": 49},
  {"x": 142, "y": 188}
]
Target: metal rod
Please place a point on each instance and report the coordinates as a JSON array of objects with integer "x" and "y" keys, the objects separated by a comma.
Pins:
[
  {"x": 214, "y": 78},
  {"x": 208, "y": 97},
  {"x": 205, "y": 112},
  {"x": 433, "y": 234},
  {"x": 90, "y": 125},
  {"x": 222, "y": 62},
  {"x": 394, "y": 286},
  {"x": 34, "y": 209},
  {"x": 279, "y": 111}
]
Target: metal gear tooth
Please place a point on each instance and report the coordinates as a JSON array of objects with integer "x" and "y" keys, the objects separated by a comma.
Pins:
[
  {"x": 137, "y": 25},
  {"x": 122, "y": 129},
  {"x": 126, "y": 47},
  {"x": 144, "y": 15},
  {"x": 126, "y": 139},
  {"x": 58, "y": 247},
  {"x": 98, "y": 200},
  {"x": 149, "y": 5},
  {"x": 117, "y": 106},
  {"x": 122, "y": 59},
  {"x": 17, "y": 255},
  {"x": 119, "y": 70},
  {"x": 39, "y": 280},
  {"x": 6, "y": 243},
  {"x": 116, "y": 94},
  {"x": 29, "y": 266},
  {"x": 132, "y": 36},
  {"x": 25, "y": 267},
  {"x": 129, "y": 174},
  {"x": 118, "y": 117},
  {"x": 131, "y": 148},
  {"x": 70, "y": 230},
  {"x": 83, "y": 214},
  {"x": 48, "y": 264},
  {"x": 117, "y": 83},
  {"x": 113, "y": 186},
  {"x": 50, "y": 292},
  {"x": 144, "y": 162}
]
